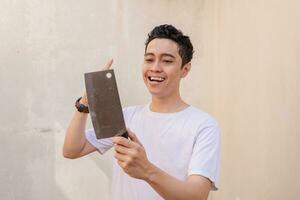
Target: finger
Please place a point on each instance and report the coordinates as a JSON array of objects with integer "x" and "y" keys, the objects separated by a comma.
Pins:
[
  {"x": 133, "y": 137},
  {"x": 121, "y": 164},
  {"x": 84, "y": 99},
  {"x": 121, "y": 149},
  {"x": 121, "y": 157},
  {"x": 108, "y": 64},
  {"x": 123, "y": 141}
]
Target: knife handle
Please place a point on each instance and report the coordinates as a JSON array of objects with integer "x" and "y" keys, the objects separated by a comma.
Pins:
[{"x": 125, "y": 135}]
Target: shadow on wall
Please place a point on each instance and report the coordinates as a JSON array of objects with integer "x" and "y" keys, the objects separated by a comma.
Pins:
[
  {"x": 33, "y": 168},
  {"x": 27, "y": 165}
]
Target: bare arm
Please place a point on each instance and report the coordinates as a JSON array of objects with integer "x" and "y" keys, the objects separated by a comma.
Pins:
[
  {"x": 76, "y": 144},
  {"x": 131, "y": 156},
  {"x": 196, "y": 187}
]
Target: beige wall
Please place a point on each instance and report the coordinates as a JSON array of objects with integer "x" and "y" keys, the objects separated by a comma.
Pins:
[
  {"x": 246, "y": 72},
  {"x": 256, "y": 95}
]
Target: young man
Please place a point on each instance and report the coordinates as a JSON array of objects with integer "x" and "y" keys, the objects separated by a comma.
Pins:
[{"x": 173, "y": 151}]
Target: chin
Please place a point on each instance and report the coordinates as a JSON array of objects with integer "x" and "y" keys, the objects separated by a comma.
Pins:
[{"x": 157, "y": 94}]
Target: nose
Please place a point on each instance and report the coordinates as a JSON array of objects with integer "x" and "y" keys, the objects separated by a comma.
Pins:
[{"x": 156, "y": 67}]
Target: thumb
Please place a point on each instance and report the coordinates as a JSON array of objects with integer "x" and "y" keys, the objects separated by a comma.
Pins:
[
  {"x": 133, "y": 137},
  {"x": 108, "y": 64}
]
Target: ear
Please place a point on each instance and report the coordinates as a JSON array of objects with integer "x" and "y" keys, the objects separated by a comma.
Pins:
[{"x": 186, "y": 69}]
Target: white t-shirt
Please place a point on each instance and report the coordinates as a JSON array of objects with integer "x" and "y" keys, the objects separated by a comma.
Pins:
[{"x": 181, "y": 144}]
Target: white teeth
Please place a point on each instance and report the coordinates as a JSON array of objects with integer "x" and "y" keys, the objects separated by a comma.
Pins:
[{"x": 154, "y": 78}]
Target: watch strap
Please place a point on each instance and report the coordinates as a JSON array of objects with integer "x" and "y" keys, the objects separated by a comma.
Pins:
[{"x": 81, "y": 107}]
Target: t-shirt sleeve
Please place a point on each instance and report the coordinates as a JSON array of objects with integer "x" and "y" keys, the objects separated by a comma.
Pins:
[
  {"x": 205, "y": 160},
  {"x": 105, "y": 144},
  {"x": 102, "y": 145}
]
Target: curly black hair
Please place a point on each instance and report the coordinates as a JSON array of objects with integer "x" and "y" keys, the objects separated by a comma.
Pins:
[{"x": 170, "y": 32}]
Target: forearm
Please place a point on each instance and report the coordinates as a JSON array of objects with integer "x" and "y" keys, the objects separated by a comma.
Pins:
[
  {"x": 75, "y": 135},
  {"x": 171, "y": 188},
  {"x": 132, "y": 158}
]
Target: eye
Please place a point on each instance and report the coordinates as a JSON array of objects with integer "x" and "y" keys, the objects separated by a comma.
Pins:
[
  {"x": 148, "y": 60},
  {"x": 167, "y": 61}
]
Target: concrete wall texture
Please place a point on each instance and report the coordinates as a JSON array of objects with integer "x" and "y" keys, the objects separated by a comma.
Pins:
[{"x": 246, "y": 72}]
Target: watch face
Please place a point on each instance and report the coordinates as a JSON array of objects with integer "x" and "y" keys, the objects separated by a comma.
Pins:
[{"x": 81, "y": 108}]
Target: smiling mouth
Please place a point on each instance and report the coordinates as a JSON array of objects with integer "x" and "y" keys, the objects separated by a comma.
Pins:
[{"x": 156, "y": 79}]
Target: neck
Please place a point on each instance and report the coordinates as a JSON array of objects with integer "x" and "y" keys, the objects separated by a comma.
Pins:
[{"x": 167, "y": 104}]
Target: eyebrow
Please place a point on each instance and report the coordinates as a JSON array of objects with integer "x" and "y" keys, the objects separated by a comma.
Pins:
[{"x": 163, "y": 54}]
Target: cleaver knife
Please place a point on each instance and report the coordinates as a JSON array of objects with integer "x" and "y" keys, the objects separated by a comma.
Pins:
[{"x": 104, "y": 104}]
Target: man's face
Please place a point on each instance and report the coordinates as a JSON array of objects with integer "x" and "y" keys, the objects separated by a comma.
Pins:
[{"x": 162, "y": 70}]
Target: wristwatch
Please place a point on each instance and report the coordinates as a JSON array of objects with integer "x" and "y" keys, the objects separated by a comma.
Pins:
[{"x": 80, "y": 107}]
